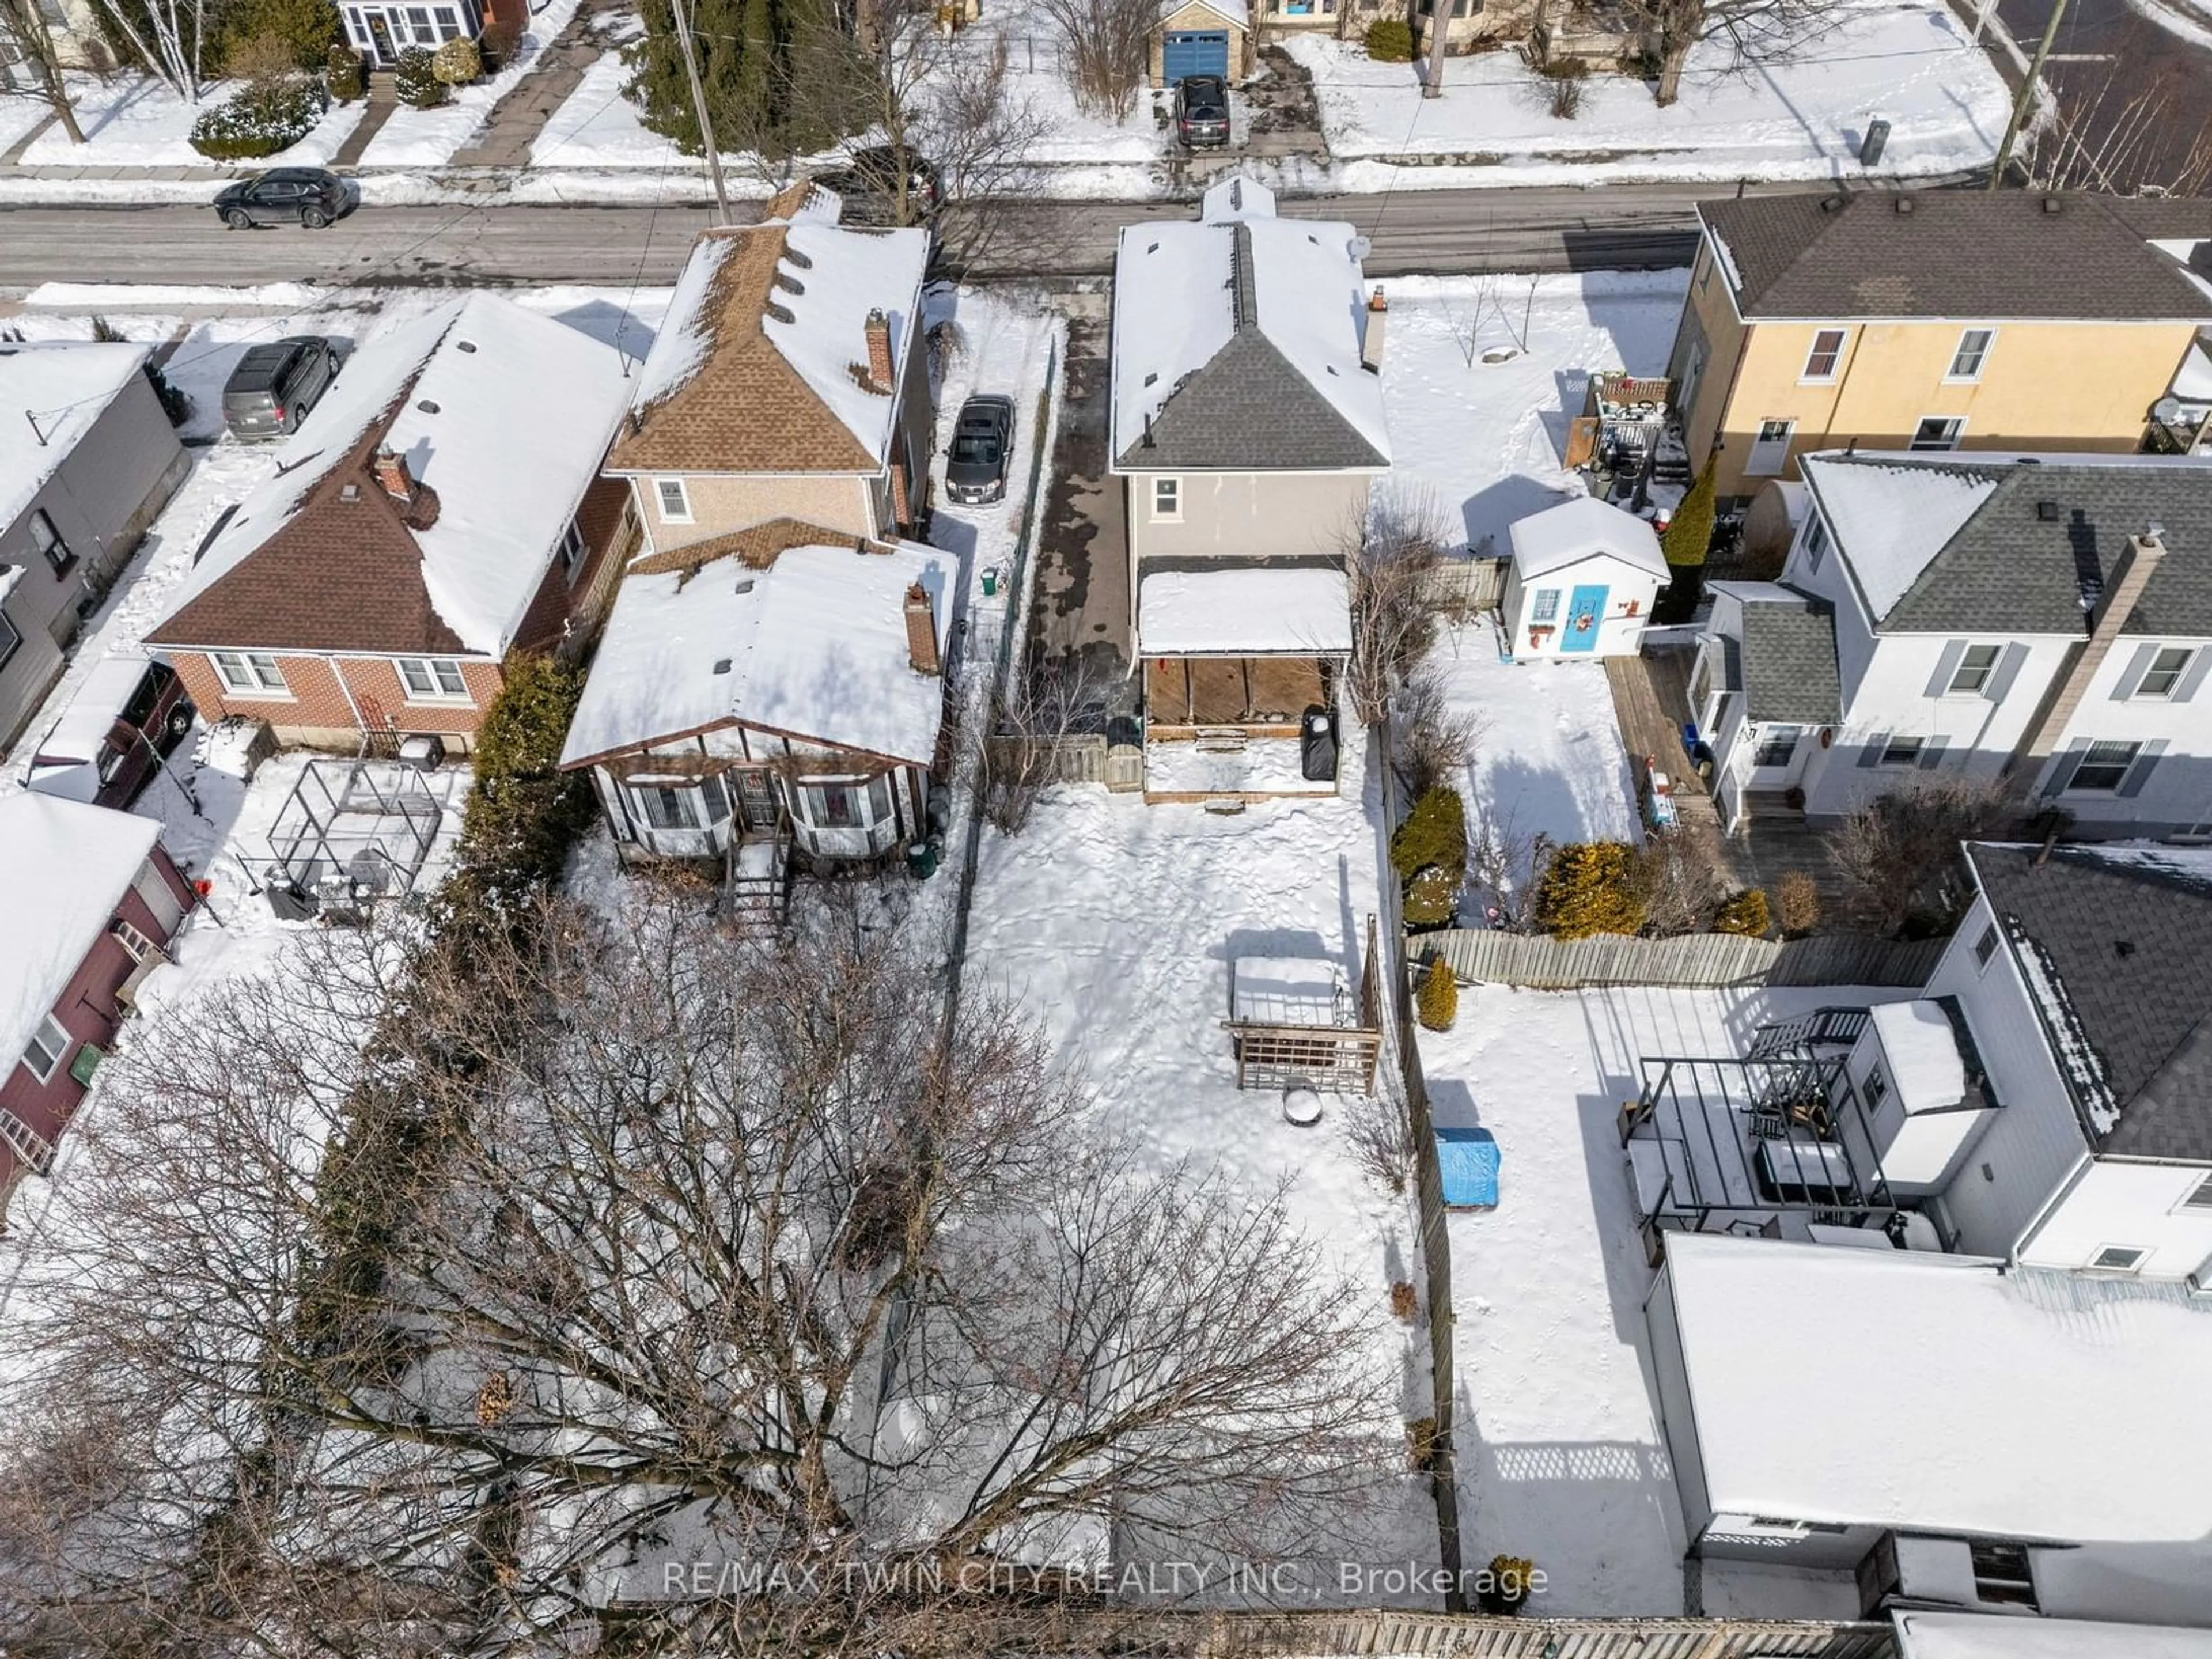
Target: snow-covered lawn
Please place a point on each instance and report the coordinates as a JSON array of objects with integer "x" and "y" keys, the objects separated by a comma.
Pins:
[
  {"x": 1912, "y": 65},
  {"x": 1480, "y": 441},
  {"x": 134, "y": 120},
  {"x": 428, "y": 137},
  {"x": 596, "y": 126},
  {"x": 1116, "y": 922},
  {"x": 1562, "y": 1457}
]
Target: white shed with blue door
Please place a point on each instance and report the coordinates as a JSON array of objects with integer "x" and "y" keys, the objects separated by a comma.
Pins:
[
  {"x": 1202, "y": 37},
  {"x": 1582, "y": 580}
]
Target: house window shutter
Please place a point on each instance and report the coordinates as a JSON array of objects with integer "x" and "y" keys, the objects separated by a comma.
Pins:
[
  {"x": 1946, "y": 666},
  {"x": 2062, "y": 771},
  {"x": 2146, "y": 764},
  {"x": 2009, "y": 666},
  {"x": 1931, "y": 753},
  {"x": 2131, "y": 676},
  {"x": 1871, "y": 751},
  {"x": 2184, "y": 688}
]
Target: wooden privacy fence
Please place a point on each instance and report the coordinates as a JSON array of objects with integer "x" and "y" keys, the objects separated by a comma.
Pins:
[
  {"x": 1083, "y": 757},
  {"x": 1421, "y": 1635},
  {"x": 1540, "y": 963},
  {"x": 1476, "y": 583}
]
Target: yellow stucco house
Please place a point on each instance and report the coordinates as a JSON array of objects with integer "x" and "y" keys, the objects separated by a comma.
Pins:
[{"x": 1932, "y": 320}]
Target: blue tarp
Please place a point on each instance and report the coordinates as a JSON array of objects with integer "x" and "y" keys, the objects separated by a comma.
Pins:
[{"x": 1468, "y": 1160}]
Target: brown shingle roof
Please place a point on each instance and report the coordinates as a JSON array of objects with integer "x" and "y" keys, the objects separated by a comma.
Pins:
[
  {"x": 745, "y": 408},
  {"x": 342, "y": 573},
  {"x": 756, "y": 546},
  {"x": 1970, "y": 254}
]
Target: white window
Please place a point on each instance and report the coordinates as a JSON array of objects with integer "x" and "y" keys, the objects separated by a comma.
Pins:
[
  {"x": 1167, "y": 499},
  {"x": 675, "y": 501},
  {"x": 432, "y": 679},
  {"x": 1973, "y": 351},
  {"x": 849, "y": 805},
  {"x": 10, "y": 640},
  {"x": 1938, "y": 432},
  {"x": 1816, "y": 542},
  {"x": 681, "y": 805},
  {"x": 48, "y": 540},
  {"x": 1902, "y": 752},
  {"x": 253, "y": 673},
  {"x": 1985, "y": 946},
  {"x": 2200, "y": 1195},
  {"x": 2103, "y": 765},
  {"x": 2165, "y": 671},
  {"x": 135, "y": 944},
  {"x": 572, "y": 550},
  {"x": 2002, "y": 1574},
  {"x": 449, "y": 23},
  {"x": 1877, "y": 1088},
  {"x": 1777, "y": 743},
  {"x": 1546, "y": 607},
  {"x": 1827, "y": 351},
  {"x": 2117, "y": 1259},
  {"x": 1770, "y": 450},
  {"x": 49, "y": 1047},
  {"x": 1976, "y": 665}
]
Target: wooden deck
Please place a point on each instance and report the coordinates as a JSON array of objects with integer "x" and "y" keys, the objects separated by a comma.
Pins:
[{"x": 1651, "y": 699}]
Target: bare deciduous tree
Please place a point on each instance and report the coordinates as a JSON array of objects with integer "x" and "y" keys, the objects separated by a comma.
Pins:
[
  {"x": 1753, "y": 32},
  {"x": 24, "y": 33},
  {"x": 710, "y": 1250},
  {"x": 1108, "y": 46},
  {"x": 1437, "y": 743},
  {"x": 1680, "y": 888},
  {"x": 2138, "y": 151},
  {"x": 1043, "y": 704},
  {"x": 1380, "y": 1132},
  {"x": 1893, "y": 850},
  {"x": 169, "y": 37},
  {"x": 1394, "y": 622}
]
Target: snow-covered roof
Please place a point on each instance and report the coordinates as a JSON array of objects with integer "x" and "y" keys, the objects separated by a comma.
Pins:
[
  {"x": 815, "y": 647},
  {"x": 1290, "y": 990},
  {"x": 753, "y": 368},
  {"x": 1244, "y": 611},
  {"x": 1937, "y": 1393},
  {"x": 1889, "y": 522},
  {"x": 1236, "y": 344},
  {"x": 505, "y": 414},
  {"x": 81, "y": 731},
  {"x": 62, "y": 386},
  {"x": 1999, "y": 1636},
  {"x": 2192, "y": 381},
  {"x": 1918, "y": 1041},
  {"x": 1584, "y": 528},
  {"x": 68, "y": 866}
]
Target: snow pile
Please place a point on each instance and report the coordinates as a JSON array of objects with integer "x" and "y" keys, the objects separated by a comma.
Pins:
[
  {"x": 1890, "y": 520},
  {"x": 68, "y": 866},
  {"x": 51, "y": 394},
  {"x": 1913, "y": 65}
]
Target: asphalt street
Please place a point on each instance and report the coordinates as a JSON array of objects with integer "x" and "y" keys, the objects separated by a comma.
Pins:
[{"x": 1411, "y": 232}]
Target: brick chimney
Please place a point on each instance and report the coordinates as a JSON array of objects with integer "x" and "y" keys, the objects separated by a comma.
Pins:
[
  {"x": 878, "y": 329},
  {"x": 1371, "y": 332},
  {"x": 2115, "y": 604},
  {"x": 391, "y": 473},
  {"x": 921, "y": 631}
]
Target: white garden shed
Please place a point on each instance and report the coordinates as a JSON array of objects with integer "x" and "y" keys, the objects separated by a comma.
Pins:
[{"x": 1581, "y": 581}]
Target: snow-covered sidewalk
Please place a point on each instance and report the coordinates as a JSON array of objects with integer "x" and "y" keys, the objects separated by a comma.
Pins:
[
  {"x": 1562, "y": 1456},
  {"x": 1912, "y": 64}
]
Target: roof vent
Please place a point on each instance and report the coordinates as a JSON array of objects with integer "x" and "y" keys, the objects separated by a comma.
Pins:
[
  {"x": 788, "y": 283},
  {"x": 465, "y": 345},
  {"x": 1905, "y": 205},
  {"x": 1154, "y": 248},
  {"x": 795, "y": 257},
  {"x": 427, "y": 406},
  {"x": 781, "y": 313},
  {"x": 2123, "y": 948},
  {"x": 1151, "y": 378},
  {"x": 350, "y": 492},
  {"x": 744, "y": 585},
  {"x": 2047, "y": 512},
  {"x": 1833, "y": 204},
  {"x": 722, "y": 665},
  {"x": 2053, "y": 203}
]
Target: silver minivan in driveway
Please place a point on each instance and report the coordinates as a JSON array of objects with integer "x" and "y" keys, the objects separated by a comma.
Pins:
[{"x": 274, "y": 386}]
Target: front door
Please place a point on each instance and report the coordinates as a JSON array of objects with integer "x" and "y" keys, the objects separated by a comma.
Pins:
[
  {"x": 1584, "y": 609},
  {"x": 757, "y": 803},
  {"x": 381, "y": 32},
  {"x": 1770, "y": 450}
]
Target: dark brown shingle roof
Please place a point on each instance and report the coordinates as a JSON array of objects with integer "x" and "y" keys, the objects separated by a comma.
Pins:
[{"x": 1970, "y": 254}]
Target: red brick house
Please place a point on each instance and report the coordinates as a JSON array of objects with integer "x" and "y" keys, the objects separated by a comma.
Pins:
[
  {"x": 93, "y": 900},
  {"x": 440, "y": 509}
]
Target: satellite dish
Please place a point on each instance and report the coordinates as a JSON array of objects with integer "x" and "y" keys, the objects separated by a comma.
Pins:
[
  {"x": 1361, "y": 247},
  {"x": 2166, "y": 411}
]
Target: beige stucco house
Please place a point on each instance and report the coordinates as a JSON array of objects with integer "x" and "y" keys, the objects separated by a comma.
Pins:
[
  {"x": 1247, "y": 427},
  {"x": 1931, "y": 320}
]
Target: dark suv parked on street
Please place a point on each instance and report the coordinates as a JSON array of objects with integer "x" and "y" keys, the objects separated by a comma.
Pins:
[{"x": 308, "y": 196}]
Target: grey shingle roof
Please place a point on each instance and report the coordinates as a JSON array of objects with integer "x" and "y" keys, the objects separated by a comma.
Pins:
[
  {"x": 1970, "y": 254},
  {"x": 1789, "y": 661},
  {"x": 2125, "y": 936},
  {"x": 1248, "y": 408},
  {"x": 2009, "y": 569}
]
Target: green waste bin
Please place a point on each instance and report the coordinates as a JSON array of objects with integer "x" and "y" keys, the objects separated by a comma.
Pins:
[{"x": 921, "y": 859}]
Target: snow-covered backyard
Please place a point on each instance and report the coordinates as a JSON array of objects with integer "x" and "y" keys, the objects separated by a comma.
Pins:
[
  {"x": 1562, "y": 1456},
  {"x": 1117, "y": 923},
  {"x": 1912, "y": 66}
]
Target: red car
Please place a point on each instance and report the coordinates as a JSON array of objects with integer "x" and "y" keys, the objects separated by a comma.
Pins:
[{"x": 124, "y": 720}]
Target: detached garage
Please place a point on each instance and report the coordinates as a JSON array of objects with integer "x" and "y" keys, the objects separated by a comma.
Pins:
[{"x": 1202, "y": 37}]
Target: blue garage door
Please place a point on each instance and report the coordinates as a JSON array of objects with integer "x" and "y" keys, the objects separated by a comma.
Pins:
[{"x": 1195, "y": 52}]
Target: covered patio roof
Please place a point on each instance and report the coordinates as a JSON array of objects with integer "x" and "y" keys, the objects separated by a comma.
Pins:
[{"x": 1244, "y": 611}]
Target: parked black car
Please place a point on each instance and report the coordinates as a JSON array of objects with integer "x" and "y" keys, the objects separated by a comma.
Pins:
[
  {"x": 982, "y": 439},
  {"x": 869, "y": 185},
  {"x": 272, "y": 388},
  {"x": 307, "y": 195},
  {"x": 1201, "y": 112}
]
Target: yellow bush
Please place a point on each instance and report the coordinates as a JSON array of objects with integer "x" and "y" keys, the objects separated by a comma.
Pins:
[
  {"x": 1590, "y": 887},
  {"x": 1744, "y": 914},
  {"x": 1438, "y": 1005}
]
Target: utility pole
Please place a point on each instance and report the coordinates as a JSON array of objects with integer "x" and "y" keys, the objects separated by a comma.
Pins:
[
  {"x": 2020, "y": 105},
  {"x": 699, "y": 104},
  {"x": 1432, "y": 83}
]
